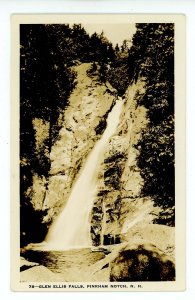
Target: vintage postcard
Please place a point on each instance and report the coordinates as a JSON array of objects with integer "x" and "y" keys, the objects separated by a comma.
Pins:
[{"x": 98, "y": 152}]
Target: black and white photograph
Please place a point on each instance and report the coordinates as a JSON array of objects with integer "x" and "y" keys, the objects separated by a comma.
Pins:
[{"x": 99, "y": 198}]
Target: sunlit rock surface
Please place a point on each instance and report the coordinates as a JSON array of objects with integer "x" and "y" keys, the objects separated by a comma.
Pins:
[{"x": 88, "y": 104}]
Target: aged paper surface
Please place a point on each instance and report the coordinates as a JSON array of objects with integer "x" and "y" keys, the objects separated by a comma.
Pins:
[{"x": 98, "y": 153}]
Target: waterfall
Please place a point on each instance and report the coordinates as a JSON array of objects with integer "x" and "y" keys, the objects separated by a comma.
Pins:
[{"x": 72, "y": 227}]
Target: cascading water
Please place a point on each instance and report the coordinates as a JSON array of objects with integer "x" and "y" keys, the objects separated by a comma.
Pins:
[{"x": 72, "y": 228}]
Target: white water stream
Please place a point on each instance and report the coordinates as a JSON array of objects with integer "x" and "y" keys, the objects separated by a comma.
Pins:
[{"x": 72, "y": 227}]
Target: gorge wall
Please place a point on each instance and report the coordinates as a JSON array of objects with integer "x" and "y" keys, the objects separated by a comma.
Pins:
[
  {"x": 83, "y": 121},
  {"x": 64, "y": 114},
  {"x": 118, "y": 205}
]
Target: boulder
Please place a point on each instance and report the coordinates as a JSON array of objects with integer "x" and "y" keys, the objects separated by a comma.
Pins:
[{"x": 142, "y": 262}]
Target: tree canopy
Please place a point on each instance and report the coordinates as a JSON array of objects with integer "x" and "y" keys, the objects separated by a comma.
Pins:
[{"x": 151, "y": 57}]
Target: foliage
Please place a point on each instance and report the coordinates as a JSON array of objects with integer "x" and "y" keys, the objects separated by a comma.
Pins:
[
  {"x": 45, "y": 83},
  {"x": 118, "y": 76},
  {"x": 156, "y": 161},
  {"x": 152, "y": 58}
]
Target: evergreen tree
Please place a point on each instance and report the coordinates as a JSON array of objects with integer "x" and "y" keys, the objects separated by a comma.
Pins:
[
  {"x": 152, "y": 58},
  {"x": 117, "y": 49}
]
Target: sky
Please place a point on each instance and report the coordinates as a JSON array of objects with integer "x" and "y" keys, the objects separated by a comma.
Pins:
[{"x": 116, "y": 33}]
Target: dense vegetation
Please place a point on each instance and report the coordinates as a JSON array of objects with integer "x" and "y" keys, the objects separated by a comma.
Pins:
[
  {"x": 152, "y": 58},
  {"x": 117, "y": 74}
]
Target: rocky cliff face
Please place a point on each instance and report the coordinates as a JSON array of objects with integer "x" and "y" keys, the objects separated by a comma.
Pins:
[
  {"x": 83, "y": 119},
  {"x": 118, "y": 206}
]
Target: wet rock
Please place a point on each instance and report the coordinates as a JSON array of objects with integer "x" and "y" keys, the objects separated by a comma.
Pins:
[
  {"x": 110, "y": 239},
  {"x": 112, "y": 177},
  {"x": 115, "y": 158},
  {"x": 142, "y": 262},
  {"x": 101, "y": 126}
]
